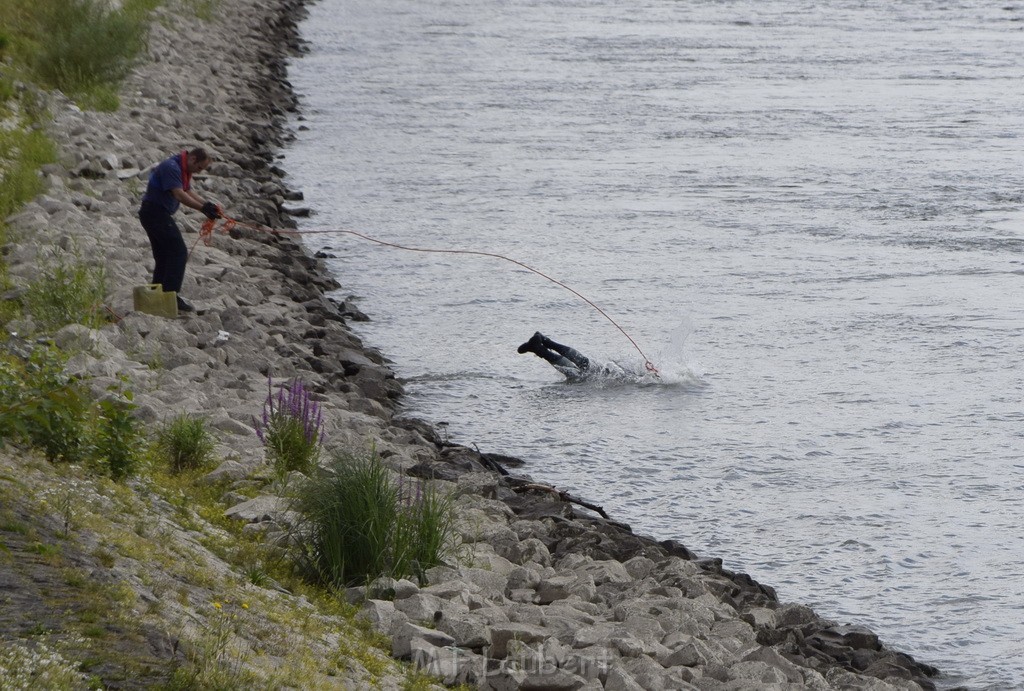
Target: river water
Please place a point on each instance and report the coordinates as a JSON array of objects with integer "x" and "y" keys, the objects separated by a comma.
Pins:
[{"x": 808, "y": 216}]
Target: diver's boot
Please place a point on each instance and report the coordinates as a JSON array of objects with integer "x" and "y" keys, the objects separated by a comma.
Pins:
[{"x": 534, "y": 345}]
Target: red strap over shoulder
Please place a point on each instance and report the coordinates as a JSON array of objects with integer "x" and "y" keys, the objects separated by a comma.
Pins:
[{"x": 186, "y": 174}]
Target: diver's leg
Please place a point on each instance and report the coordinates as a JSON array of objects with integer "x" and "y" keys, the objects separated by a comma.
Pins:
[
  {"x": 536, "y": 346},
  {"x": 576, "y": 357},
  {"x": 562, "y": 364}
]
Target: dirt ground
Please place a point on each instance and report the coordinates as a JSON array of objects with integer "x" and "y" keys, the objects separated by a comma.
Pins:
[{"x": 54, "y": 594}]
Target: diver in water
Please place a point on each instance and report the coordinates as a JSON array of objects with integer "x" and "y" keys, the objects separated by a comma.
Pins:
[{"x": 569, "y": 361}]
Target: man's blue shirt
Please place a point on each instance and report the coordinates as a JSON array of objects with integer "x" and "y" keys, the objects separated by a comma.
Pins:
[{"x": 164, "y": 178}]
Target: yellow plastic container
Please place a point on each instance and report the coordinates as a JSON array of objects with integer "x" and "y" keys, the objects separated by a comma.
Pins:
[{"x": 152, "y": 299}]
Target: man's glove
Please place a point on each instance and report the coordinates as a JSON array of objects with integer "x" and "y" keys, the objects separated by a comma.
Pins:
[{"x": 211, "y": 210}]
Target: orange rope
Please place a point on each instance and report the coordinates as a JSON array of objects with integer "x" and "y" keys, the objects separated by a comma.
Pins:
[{"x": 210, "y": 225}]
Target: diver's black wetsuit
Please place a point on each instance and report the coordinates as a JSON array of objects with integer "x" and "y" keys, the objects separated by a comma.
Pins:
[{"x": 569, "y": 361}]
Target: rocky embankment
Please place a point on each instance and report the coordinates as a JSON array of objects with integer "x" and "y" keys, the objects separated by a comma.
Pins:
[{"x": 546, "y": 594}]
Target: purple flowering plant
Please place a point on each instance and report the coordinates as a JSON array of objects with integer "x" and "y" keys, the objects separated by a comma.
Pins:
[{"x": 291, "y": 428}]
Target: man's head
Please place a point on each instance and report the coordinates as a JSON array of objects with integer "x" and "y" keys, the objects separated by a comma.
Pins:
[{"x": 198, "y": 160}]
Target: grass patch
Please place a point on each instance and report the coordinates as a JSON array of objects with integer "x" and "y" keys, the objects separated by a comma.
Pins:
[
  {"x": 230, "y": 645},
  {"x": 22, "y": 152},
  {"x": 81, "y": 47},
  {"x": 361, "y": 524},
  {"x": 202, "y": 9},
  {"x": 66, "y": 292}
]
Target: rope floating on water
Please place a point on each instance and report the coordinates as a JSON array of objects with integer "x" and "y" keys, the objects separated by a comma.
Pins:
[{"x": 210, "y": 226}]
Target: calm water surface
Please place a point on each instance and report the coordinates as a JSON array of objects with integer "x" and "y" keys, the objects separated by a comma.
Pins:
[{"x": 808, "y": 215}]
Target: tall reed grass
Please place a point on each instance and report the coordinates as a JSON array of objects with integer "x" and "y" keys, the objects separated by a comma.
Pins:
[{"x": 360, "y": 524}]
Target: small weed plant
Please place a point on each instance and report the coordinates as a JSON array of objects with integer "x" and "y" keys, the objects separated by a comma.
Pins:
[
  {"x": 43, "y": 407},
  {"x": 291, "y": 428},
  {"x": 360, "y": 524},
  {"x": 185, "y": 443},
  {"x": 118, "y": 438},
  {"x": 217, "y": 658}
]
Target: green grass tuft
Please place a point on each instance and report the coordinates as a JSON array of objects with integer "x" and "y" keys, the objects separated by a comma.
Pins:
[
  {"x": 82, "y": 47},
  {"x": 361, "y": 524},
  {"x": 67, "y": 292},
  {"x": 185, "y": 443},
  {"x": 85, "y": 45}
]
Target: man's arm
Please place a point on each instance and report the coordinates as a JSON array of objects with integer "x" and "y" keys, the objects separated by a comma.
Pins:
[
  {"x": 194, "y": 201},
  {"x": 188, "y": 199}
]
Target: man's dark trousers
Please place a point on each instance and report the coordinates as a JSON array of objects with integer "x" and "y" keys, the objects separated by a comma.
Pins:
[{"x": 169, "y": 251}]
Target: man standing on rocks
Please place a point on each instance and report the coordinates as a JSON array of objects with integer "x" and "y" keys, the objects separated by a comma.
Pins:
[{"x": 170, "y": 185}]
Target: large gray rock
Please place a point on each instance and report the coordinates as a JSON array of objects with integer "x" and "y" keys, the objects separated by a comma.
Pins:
[
  {"x": 649, "y": 674},
  {"x": 561, "y": 587},
  {"x": 456, "y": 590},
  {"x": 224, "y": 423},
  {"x": 761, "y": 618},
  {"x": 629, "y": 645},
  {"x": 529, "y": 550},
  {"x": 503, "y": 678},
  {"x": 619, "y": 679},
  {"x": 772, "y": 657},
  {"x": 599, "y": 633},
  {"x": 380, "y": 613},
  {"x": 264, "y": 508},
  {"x": 452, "y": 665},
  {"x": 228, "y": 471},
  {"x": 77, "y": 337},
  {"x": 605, "y": 572},
  {"x": 686, "y": 655},
  {"x": 406, "y": 639},
  {"x": 424, "y": 607},
  {"x": 795, "y": 615},
  {"x": 644, "y": 627},
  {"x": 467, "y": 629},
  {"x": 501, "y": 634},
  {"x": 523, "y": 577},
  {"x": 735, "y": 634},
  {"x": 761, "y": 673},
  {"x": 490, "y": 584},
  {"x": 489, "y": 561},
  {"x": 551, "y": 680},
  {"x": 492, "y": 614}
]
